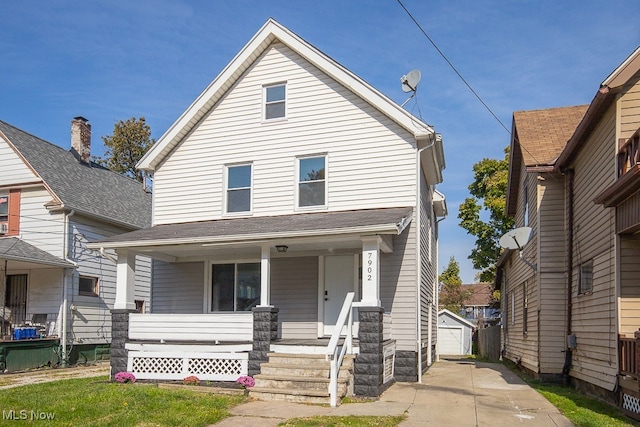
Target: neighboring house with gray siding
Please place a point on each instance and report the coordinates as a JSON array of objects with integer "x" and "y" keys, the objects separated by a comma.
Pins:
[
  {"x": 576, "y": 314},
  {"x": 52, "y": 202},
  {"x": 288, "y": 184}
]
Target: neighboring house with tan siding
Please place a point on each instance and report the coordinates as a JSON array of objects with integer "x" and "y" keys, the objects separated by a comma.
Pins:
[
  {"x": 287, "y": 186},
  {"x": 585, "y": 244},
  {"x": 52, "y": 201}
]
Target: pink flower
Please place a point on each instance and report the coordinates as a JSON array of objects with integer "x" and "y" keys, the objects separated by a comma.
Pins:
[
  {"x": 125, "y": 377},
  {"x": 246, "y": 381}
]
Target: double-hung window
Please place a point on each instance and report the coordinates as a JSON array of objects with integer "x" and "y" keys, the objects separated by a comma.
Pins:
[
  {"x": 238, "y": 197},
  {"x": 312, "y": 181},
  {"x": 275, "y": 101},
  {"x": 235, "y": 287}
]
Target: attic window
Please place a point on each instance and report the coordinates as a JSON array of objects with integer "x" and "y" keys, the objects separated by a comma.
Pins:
[{"x": 275, "y": 101}]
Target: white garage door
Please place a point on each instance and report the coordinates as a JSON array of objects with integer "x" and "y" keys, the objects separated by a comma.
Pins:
[{"x": 450, "y": 340}]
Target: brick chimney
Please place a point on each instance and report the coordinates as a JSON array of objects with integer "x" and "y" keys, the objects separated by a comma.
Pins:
[{"x": 81, "y": 139}]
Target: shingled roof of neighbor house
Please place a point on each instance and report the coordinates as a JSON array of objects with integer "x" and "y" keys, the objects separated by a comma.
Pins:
[
  {"x": 86, "y": 187},
  {"x": 12, "y": 248},
  {"x": 543, "y": 134}
]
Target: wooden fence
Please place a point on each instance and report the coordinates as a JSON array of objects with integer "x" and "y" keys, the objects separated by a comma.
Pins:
[{"x": 489, "y": 343}]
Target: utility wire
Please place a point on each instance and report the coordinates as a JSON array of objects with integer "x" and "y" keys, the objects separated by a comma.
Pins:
[
  {"x": 453, "y": 67},
  {"x": 466, "y": 82}
]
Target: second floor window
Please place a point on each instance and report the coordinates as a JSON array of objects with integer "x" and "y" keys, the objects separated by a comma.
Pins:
[
  {"x": 239, "y": 188},
  {"x": 4, "y": 208},
  {"x": 585, "y": 284},
  {"x": 311, "y": 181},
  {"x": 275, "y": 101}
]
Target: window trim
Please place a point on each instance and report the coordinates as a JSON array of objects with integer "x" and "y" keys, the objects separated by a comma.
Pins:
[
  {"x": 209, "y": 289},
  {"x": 265, "y": 102},
  {"x": 225, "y": 207},
  {"x": 96, "y": 286},
  {"x": 5, "y": 196},
  {"x": 324, "y": 206},
  {"x": 585, "y": 276}
]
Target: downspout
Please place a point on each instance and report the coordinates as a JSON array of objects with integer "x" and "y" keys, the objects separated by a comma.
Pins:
[
  {"x": 65, "y": 296},
  {"x": 569, "y": 233},
  {"x": 419, "y": 262}
]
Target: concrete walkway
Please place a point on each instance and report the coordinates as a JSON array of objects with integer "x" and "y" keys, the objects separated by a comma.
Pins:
[{"x": 453, "y": 393}]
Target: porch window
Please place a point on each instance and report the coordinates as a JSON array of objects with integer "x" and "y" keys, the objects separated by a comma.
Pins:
[
  {"x": 311, "y": 181},
  {"x": 239, "y": 188},
  {"x": 235, "y": 287},
  {"x": 88, "y": 286},
  {"x": 275, "y": 101},
  {"x": 585, "y": 284}
]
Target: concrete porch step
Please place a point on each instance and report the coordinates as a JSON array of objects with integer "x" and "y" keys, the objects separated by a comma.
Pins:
[{"x": 300, "y": 378}]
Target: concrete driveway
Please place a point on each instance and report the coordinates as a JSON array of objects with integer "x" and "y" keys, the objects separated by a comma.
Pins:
[{"x": 456, "y": 393}]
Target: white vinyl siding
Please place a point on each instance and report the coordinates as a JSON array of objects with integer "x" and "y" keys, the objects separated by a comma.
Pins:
[
  {"x": 178, "y": 287},
  {"x": 14, "y": 170},
  {"x": 398, "y": 291},
  {"x": 38, "y": 226},
  {"x": 294, "y": 290},
  {"x": 372, "y": 159}
]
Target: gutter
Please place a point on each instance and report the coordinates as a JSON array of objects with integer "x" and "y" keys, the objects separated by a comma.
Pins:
[
  {"x": 568, "y": 356},
  {"x": 419, "y": 265},
  {"x": 65, "y": 280}
]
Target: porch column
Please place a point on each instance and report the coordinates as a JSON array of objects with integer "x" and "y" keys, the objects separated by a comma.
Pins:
[
  {"x": 371, "y": 271},
  {"x": 369, "y": 363},
  {"x": 119, "y": 335},
  {"x": 265, "y": 330},
  {"x": 125, "y": 280},
  {"x": 265, "y": 277}
]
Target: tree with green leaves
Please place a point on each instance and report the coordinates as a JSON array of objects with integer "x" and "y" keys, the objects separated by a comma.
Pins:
[
  {"x": 125, "y": 147},
  {"x": 484, "y": 214},
  {"x": 452, "y": 294}
]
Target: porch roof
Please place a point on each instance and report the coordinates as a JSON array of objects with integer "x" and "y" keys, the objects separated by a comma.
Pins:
[
  {"x": 14, "y": 249},
  {"x": 254, "y": 229}
]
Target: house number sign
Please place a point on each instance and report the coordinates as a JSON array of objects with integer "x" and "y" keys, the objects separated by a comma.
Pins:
[{"x": 370, "y": 275}]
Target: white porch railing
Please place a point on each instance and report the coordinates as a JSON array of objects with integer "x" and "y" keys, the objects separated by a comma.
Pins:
[
  {"x": 345, "y": 317},
  {"x": 230, "y": 327}
]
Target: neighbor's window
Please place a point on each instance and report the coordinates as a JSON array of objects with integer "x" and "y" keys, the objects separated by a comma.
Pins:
[
  {"x": 239, "y": 188},
  {"x": 139, "y": 306},
  {"x": 311, "y": 181},
  {"x": 525, "y": 309},
  {"x": 275, "y": 101},
  {"x": 235, "y": 287},
  {"x": 4, "y": 208},
  {"x": 526, "y": 205},
  {"x": 88, "y": 285},
  {"x": 586, "y": 277}
]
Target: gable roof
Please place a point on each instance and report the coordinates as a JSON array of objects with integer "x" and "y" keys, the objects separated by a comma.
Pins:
[
  {"x": 89, "y": 189},
  {"x": 606, "y": 94},
  {"x": 271, "y": 32},
  {"x": 537, "y": 139}
]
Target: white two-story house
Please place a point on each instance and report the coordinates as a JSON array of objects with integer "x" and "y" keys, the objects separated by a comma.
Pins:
[
  {"x": 52, "y": 202},
  {"x": 288, "y": 191}
]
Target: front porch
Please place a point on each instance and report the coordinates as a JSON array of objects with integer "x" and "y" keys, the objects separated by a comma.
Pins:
[{"x": 226, "y": 346}]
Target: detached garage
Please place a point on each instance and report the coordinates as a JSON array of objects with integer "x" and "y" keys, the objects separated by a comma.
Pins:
[{"x": 454, "y": 334}]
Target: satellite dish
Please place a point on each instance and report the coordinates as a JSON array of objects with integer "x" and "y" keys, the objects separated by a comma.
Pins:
[
  {"x": 516, "y": 239},
  {"x": 410, "y": 81}
]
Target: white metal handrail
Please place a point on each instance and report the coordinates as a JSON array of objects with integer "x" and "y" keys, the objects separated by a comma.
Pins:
[{"x": 346, "y": 316}]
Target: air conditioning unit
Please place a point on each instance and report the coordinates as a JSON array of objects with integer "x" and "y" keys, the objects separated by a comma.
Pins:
[{"x": 4, "y": 228}]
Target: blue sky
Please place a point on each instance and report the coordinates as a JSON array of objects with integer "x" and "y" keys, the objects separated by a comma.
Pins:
[{"x": 112, "y": 60}]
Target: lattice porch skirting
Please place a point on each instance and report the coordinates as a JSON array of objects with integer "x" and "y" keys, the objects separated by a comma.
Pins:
[{"x": 178, "y": 365}]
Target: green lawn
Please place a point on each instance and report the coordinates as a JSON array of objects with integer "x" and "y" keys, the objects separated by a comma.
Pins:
[
  {"x": 582, "y": 410},
  {"x": 97, "y": 402}
]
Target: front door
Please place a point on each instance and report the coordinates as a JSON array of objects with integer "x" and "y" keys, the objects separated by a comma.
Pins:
[{"x": 339, "y": 278}]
